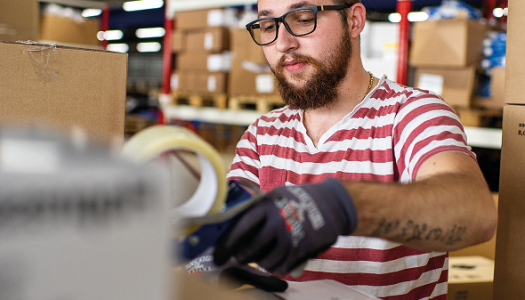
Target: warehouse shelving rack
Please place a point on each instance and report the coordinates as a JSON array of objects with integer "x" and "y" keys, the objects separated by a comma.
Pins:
[{"x": 477, "y": 137}]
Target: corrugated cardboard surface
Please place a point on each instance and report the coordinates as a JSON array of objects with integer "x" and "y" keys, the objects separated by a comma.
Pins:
[
  {"x": 178, "y": 41},
  {"x": 457, "y": 83},
  {"x": 64, "y": 87},
  {"x": 67, "y": 31},
  {"x": 18, "y": 20},
  {"x": 211, "y": 40},
  {"x": 451, "y": 43},
  {"x": 510, "y": 245},
  {"x": 515, "y": 62},
  {"x": 197, "y": 19},
  {"x": 249, "y": 66}
]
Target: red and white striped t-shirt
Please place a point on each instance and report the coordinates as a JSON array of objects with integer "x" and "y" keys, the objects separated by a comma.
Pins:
[{"x": 385, "y": 138}]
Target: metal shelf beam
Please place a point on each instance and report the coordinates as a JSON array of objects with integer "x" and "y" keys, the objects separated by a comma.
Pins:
[
  {"x": 182, "y": 5},
  {"x": 78, "y": 3}
]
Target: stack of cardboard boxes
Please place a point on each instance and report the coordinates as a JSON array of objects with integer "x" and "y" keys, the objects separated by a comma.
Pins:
[
  {"x": 215, "y": 59},
  {"x": 510, "y": 244},
  {"x": 446, "y": 54},
  {"x": 201, "y": 43}
]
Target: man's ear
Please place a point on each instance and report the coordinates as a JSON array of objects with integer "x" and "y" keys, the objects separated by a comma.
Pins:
[{"x": 356, "y": 19}]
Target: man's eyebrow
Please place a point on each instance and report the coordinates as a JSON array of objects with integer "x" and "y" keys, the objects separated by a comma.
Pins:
[{"x": 266, "y": 12}]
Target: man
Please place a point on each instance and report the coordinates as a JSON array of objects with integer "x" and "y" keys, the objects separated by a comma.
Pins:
[{"x": 408, "y": 187}]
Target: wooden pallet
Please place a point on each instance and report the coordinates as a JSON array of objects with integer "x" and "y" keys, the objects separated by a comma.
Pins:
[
  {"x": 476, "y": 117},
  {"x": 261, "y": 104},
  {"x": 134, "y": 124},
  {"x": 200, "y": 99}
]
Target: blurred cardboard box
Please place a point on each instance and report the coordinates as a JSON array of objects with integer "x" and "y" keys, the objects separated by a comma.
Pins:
[
  {"x": 250, "y": 74},
  {"x": 454, "y": 85},
  {"x": 510, "y": 244},
  {"x": 447, "y": 43},
  {"x": 497, "y": 89},
  {"x": 198, "y": 19},
  {"x": 200, "y": 82},
  {"x": 195, "y": 61},
  {"x": 64, "y": 87},
  {"x": 470, "y": 278},
  {"x": 210, "y": 40},
  {"x": 19, "y": 20},
  {"x": 68, "y": 31},
  {"x": 178, "y": 41}
]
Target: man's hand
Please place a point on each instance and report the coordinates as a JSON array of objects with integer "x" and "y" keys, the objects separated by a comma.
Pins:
[{"x": 289, "y": 226}]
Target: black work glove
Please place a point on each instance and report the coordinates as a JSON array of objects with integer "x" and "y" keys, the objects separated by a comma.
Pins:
[
  {"x": 289, "y": 226},
  {"x": 233, "y": 275}
]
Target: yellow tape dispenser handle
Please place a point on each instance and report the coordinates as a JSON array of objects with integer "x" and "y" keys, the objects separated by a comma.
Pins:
[{"x": 210, "y": 195}]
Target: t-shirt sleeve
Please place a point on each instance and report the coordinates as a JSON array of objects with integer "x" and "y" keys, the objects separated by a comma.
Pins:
[
  {"x": 246, "y": 163},
  {"x": 425, "y": 125}
]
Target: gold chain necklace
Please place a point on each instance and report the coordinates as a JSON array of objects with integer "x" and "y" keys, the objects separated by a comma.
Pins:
[{"x": 370, "y": 85}]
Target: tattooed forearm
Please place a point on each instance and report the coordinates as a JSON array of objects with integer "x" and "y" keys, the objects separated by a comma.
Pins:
[{"x": 412, "y": 231}]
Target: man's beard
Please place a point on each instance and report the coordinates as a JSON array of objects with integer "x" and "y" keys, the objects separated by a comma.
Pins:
[{"x": 321, "y": 89}]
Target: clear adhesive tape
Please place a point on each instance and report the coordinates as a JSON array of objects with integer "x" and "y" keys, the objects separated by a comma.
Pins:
[{"x": 210, "y": 196}]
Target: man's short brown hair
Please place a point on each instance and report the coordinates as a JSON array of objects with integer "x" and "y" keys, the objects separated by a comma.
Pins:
[{"x": 344, "y": 12}]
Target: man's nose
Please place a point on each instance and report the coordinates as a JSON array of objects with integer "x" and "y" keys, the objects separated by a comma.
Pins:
[{"x": 285, "y": 40}]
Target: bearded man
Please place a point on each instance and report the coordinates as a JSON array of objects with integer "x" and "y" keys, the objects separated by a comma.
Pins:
[{"x": 368, "y": 181}]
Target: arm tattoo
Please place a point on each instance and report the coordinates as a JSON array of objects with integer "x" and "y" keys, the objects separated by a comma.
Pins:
[{"x": 413, "y": 231}]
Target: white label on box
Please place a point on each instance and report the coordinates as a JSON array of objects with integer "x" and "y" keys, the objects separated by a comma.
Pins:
[
  {"x": 215, "y": 18},
  {"x": 255, "y": 68},
  {"x": 431, "y": 82},
  {"x": 212, "y": 83},
  {"x": 174, "y": 82},
  {"x": 264, "y": 84},
  {"x": 219, "y": 62},
  {"x": 208, "y": 41}
]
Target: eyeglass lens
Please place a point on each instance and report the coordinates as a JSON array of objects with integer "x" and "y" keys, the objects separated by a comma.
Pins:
[{"x": 299, "y": 22}]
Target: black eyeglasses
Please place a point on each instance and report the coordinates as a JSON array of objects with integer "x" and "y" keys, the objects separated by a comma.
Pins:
[{"x": 298, "y": 22}]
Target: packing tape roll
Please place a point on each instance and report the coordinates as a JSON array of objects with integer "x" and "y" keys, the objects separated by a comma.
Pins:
[{"x": 210, "y": 196}]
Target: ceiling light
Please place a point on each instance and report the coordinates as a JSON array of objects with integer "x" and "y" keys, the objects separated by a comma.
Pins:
[
  {"x": 142, "y": 5},
  {"x": 123, "y": 48},
  {"x": 149, "y": 47},
  {"x": 91, "y": 12},
  {"x": 144, "y": 33},
  {"x": 498, "y": 12},
  {"x": 415, "y": 16}
]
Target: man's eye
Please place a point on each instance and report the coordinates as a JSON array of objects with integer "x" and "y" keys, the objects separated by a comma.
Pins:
[
  {"x": 305, "y": 21},
  {"x": 268, "y": 28}
]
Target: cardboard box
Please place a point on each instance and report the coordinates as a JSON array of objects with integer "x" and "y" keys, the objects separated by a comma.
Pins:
[
  {"x": 210, "y": 40},
  {"x": 470, "y": 278},
  {"x": 205, "y": 62},
  {"x": 510, "y": 244},
  {"x": 198, "y": 19},
  {"x": 178, "y": 41},
  {"x": 250, "y": 74},
  {"x": 19, "y": 20},
  {"x": 200, "y": 82},
  {"x": 447, "y": 43},
  {"x": 67, "y": 31},
  {"x": 245, "y": 49},
  {"x": 64, "y": 87},
  {"x": 497, "y": 88},
  {"x": 515, "y": 64},
  {"x": 454, "y": 85}
]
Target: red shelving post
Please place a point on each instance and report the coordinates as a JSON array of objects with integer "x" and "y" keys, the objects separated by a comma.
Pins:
[
  {"x": 403, "y": 8},
  {"x": 104, "y": 24},
  {"x": 167, "y": 59}
]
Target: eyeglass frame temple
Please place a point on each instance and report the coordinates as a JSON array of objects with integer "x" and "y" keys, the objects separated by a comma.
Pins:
[{"x": 281, "y": 20}]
